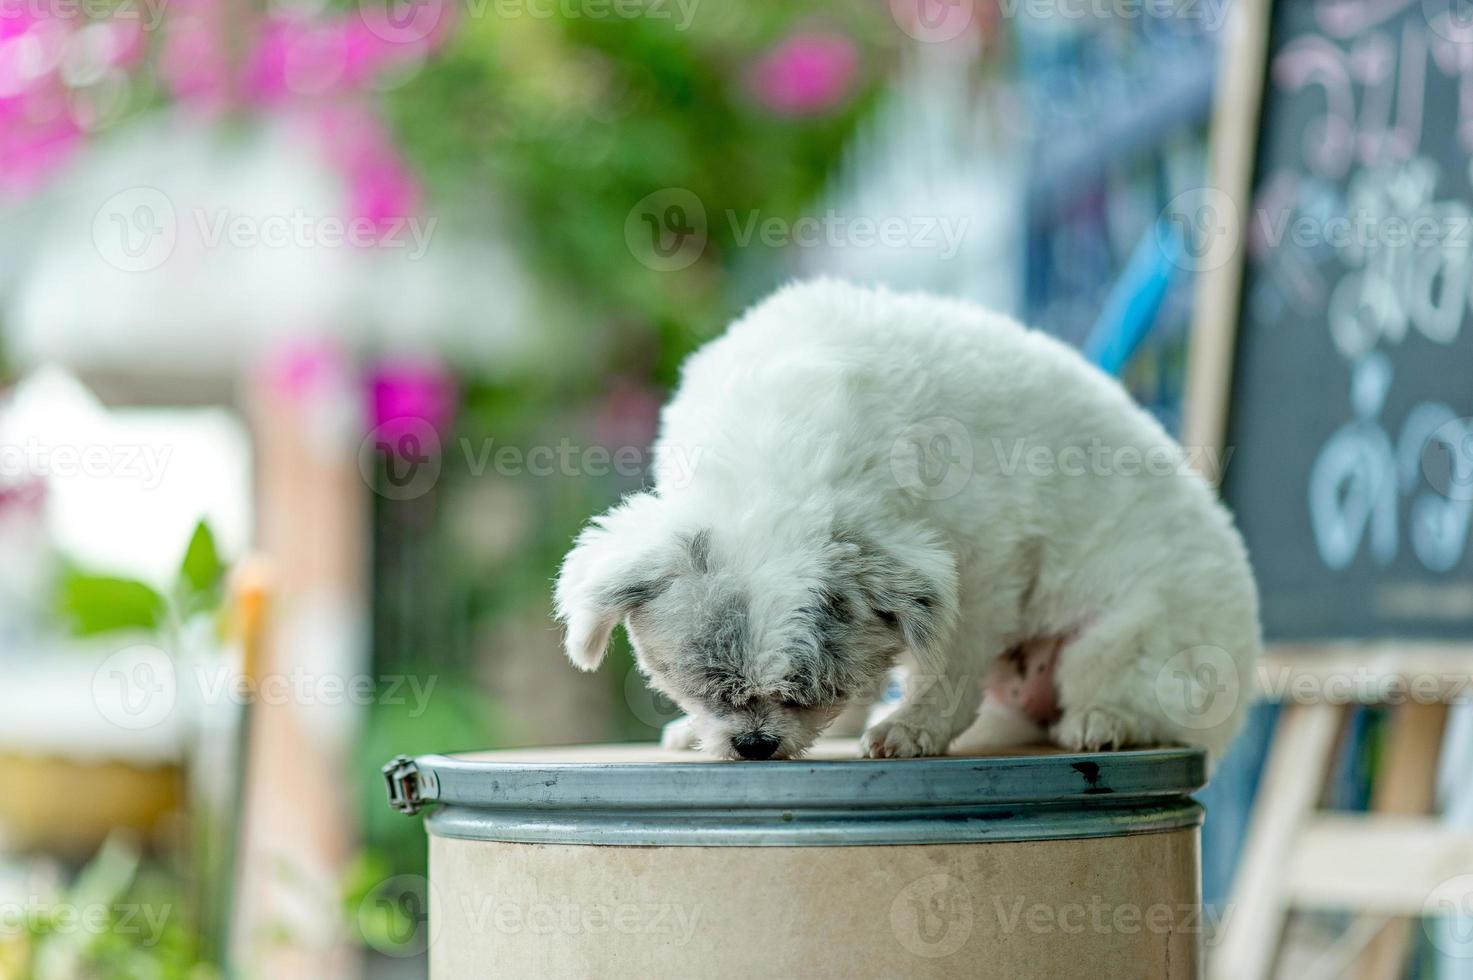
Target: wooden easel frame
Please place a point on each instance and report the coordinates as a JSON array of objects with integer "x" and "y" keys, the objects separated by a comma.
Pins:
[{"x": 1382, "y": 864}]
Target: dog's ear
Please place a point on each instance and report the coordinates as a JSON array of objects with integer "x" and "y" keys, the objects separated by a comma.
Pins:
[
  {"x": 619, "y": 561},
  {"x": 910, "y": 580}
]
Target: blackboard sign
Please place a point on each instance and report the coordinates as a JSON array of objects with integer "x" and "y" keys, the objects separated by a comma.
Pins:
[{"x": 1350, "y": 408}]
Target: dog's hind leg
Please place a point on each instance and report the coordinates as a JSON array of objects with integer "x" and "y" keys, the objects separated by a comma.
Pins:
[
  {"x": 999, "y": 726},
  {"x": 1106, "y": 683}
]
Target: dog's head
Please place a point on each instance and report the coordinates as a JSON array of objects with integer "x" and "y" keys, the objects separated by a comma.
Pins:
[{"x": 762, "y": 630}]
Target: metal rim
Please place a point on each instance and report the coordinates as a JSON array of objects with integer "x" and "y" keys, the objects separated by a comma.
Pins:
[
  {"x": 788, "y": 828},
  {"x": 816, "y": 803}
]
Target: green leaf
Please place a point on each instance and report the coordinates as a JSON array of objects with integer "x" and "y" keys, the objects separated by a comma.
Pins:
[
  {"x": 202, "y": 571},
  {"x": 94, "y": 604}
]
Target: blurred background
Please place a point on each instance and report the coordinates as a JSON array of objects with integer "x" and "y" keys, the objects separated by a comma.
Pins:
[{"x": 323, "y": 327}]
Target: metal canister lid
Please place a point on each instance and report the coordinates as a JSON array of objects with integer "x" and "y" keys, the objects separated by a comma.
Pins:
[{"x": 641, "y": 795}]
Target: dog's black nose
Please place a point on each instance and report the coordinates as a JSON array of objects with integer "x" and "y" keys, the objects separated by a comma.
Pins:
[{"x": 755, "y": 746}]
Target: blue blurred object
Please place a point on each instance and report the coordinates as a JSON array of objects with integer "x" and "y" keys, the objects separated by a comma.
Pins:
[
  {"x": 1229, "y": 799},
  {"x": 1134, "y": 304}
]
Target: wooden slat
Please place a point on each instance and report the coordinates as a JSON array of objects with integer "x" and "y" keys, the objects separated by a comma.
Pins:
[
  {"x": 1407, "y": 784},
  {"x": 1292, "y": 782},
  {"x": 1232, "y": 143},
  {"x": 1382, "y": 864},
  {"x": 1367, "y": 673}
]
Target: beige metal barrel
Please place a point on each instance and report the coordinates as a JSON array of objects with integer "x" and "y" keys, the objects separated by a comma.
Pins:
[{"x": 631, "y": 861}]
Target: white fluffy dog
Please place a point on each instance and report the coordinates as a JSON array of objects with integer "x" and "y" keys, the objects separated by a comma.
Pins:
[{"x": 849, "y": 476}]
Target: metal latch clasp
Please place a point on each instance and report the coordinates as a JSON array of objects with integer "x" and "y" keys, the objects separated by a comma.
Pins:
[{"x": 402, "y": 775}]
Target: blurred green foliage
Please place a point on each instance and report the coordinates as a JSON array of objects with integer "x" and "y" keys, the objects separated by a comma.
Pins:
[
  {"x": 122, "y": 919},
  {"x": 547, "y": 132},
  {"x": 560, "y": 125},
  {"x": 89, "y": 603}
]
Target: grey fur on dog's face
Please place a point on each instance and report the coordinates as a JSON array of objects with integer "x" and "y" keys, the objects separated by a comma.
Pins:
[
  {"x": 749, "y": 661},
  {"x": 764, "y": 627}
]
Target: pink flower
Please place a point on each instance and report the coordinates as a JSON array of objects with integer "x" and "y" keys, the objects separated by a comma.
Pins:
[
  {"x": 380, "y": 186},
  {"x": 37, "y": 131},
  {"x": 31, "y": 153},
  {"x": 193, "y": 64},
  {"x": 409, "y": 394},
  {"x": 628, "y": 417},
  {"x": 806, "y": 73}
]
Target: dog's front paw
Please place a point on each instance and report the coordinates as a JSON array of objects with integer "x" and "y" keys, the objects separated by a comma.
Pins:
[
  {"x": 896, "y": 739},
  {"x": 1091, "y": 730},
  {"x": 679, "y": 734}
]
